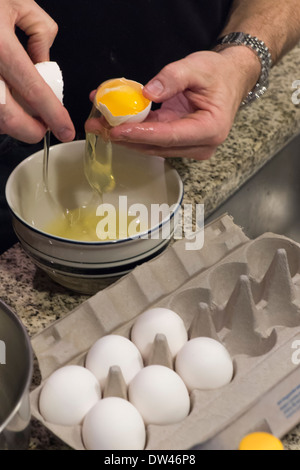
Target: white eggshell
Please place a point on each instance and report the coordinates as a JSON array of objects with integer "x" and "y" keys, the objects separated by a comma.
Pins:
[
  {"x": 160, "y": 395},
  {"x": 155, "y": 321},
  {"x": 114, "y": 350},
  {"x": 118, "y": 120},
  {"x": 204, "y": 363},
  {"x": 68, "y": 394},
  {"x": 52, "y": 75},
  {"x": 113, "y": 424}
]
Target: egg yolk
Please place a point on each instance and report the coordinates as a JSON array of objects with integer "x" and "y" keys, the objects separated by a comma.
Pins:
[
  {"x": 260, "y": 441},
  {"x": 122, "y": 98}
]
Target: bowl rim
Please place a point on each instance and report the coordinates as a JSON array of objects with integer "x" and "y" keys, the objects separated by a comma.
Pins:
[{"x": 143, "y": 235}]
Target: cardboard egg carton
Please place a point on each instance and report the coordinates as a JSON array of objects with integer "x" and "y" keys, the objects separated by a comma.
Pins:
[{"x": 244, "y": 293}]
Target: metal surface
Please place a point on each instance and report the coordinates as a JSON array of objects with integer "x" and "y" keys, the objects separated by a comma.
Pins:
[
  {"x": 270, "y": 200},
  {"x": 15, "y": 377}
]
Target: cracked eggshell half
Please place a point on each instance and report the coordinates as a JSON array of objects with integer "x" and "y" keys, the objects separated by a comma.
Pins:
[
  {"x": 120, "y": 100},
  {"x": 52, "y": 75}
]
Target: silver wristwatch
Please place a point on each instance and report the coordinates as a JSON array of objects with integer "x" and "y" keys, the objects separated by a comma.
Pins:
[{"x": 263, "y": 53}]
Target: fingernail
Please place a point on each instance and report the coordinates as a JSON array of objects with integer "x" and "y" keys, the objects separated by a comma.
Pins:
[
  {"x": 155, "y": 87},
  {"x": 66, "y": 134}
]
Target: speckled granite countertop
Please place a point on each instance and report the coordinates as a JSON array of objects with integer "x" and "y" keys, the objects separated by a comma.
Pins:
[{"x": 258, "y": 133}]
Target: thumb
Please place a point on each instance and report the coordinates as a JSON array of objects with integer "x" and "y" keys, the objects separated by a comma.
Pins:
[{"x": 171, "y": 80}]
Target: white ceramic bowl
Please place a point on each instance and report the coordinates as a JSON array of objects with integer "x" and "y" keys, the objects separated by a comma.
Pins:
[{"x": 76, "y": 264}]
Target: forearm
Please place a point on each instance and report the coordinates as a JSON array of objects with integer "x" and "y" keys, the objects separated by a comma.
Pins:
[{"x": 276, "y": 22}]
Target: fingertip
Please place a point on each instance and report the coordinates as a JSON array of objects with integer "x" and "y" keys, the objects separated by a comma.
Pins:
[
  {"x": 92, "y": 95},
  {"x": 64, "y": 128},
  {"x": 66, "y": 134},
  {"x": 154, "y": 89}
]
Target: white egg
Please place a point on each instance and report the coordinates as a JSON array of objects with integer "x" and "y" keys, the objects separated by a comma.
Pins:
[
  {"x": 112, "y": 112},
  {"x": 114, "y": 350},
  {"x": 113, "y": 424},
  {"x": 155, "y": 321},
  {"x": 160, "y": 395},
  {"x": 68, "y": 394},
  {"x": 204, "y": 363}
]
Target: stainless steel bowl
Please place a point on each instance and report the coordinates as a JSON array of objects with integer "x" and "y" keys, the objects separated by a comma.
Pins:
[{"x": 16, "y": 364}]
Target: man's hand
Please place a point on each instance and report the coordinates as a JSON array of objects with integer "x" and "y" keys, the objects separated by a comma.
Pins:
[
  {"x": 18, "y": 72},
  {"x": 200, "y": 96}
]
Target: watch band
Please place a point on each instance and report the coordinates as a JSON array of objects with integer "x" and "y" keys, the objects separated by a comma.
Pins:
[{"x": 263, "y": 53}]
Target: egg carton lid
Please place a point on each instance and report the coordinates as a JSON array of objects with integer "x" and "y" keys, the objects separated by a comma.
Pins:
[{"x": 262, "y": 399}]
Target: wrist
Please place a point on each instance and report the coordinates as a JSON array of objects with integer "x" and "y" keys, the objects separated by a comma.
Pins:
[
  {"x": 244, "y": 45},
  {"x": 247, "y": 67}
]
